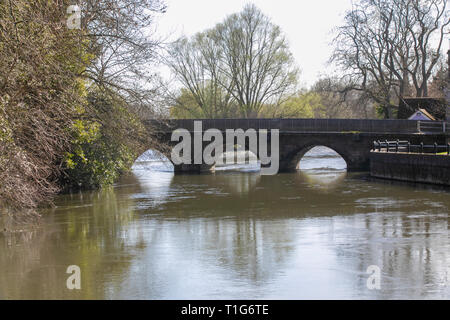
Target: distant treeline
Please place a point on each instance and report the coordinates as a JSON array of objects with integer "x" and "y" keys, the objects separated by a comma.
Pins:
[{"x": 242, "y": 67}]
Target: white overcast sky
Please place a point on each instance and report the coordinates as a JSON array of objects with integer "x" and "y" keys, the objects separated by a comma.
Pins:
[{"x": 307, "y": 25}]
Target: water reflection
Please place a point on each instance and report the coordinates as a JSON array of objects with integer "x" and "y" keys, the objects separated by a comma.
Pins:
[
  {"x": 234, "y": 235},
  {"x": 325, "y": 181},
  {"x": 86, "y": 229},
  {"x": 154, "y": 189}
]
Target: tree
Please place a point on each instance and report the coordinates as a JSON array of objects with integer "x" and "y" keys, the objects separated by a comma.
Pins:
[
  {"x": 186, "y": 106},
  {"x": 40, "y": 93},
  {"x": 390, "y": 49},
  {"x": 65, "y": 94},
  {"x": 440, "y": 81},
  {"x": 108, "y": 134},
  {"x": 304, "y": 104},
  {"x": 196, "y": 63},
  {"x": 338, "y": 102},
  {"x": 120, "y": 35},
  {"x": 246, "y": 56},
  {"x": 105, "y": 143}
]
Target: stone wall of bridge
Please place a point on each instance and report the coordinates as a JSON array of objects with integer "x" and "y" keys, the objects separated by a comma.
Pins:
[
  {"x": 351, "y": 139},
  {"x": 354, "y": 148},
  {"x": 294, "y": 125}
]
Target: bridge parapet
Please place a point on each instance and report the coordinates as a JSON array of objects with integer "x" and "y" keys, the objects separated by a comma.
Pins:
[
  {"x": 294, "y": 125},
  {"x": 351, "y": 138}
]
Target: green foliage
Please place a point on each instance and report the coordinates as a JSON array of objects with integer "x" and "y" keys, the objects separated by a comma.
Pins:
[
  {"x": 301, "y": 105},
  {"x": 186, "y": 107},
  {"x": 215, "y": 103},
  {"x": 103, "y": 144},
  {"x": 41, "y": 61},
  {"x": 380, "y": 111},
  {"x": 386, "y": 112},
  {"x": 236, "y": 67},
  {"x": 57, "y": 131}
]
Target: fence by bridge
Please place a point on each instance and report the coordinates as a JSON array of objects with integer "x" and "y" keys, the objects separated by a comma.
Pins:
[{"x": 407, "y": 147}]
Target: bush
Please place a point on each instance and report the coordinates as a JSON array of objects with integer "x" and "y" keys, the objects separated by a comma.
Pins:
[
  {"x": 106, "y": 141},
  {"x": 40, "y": 91}
]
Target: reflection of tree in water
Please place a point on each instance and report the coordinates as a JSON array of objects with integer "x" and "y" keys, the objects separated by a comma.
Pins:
[
  {"x": 218, "y": 225},
  {"x": 254, "y": 249},
  {"x": 239, "y": 228},
  {"x": 324, "y": 181},
  {"x": 251, "y": 234},
  {"x": 248, "y": 246},
  {"x": 230, "y": 194},
  {"x": 159, "y": 237},
  {"x": 92, "y": 230}
]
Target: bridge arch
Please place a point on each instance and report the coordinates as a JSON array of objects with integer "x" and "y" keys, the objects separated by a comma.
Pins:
[
  {"x": 165, "y": 155},
  {"x": 154, "y": 155},
  {"x": 296, "y": 156}
]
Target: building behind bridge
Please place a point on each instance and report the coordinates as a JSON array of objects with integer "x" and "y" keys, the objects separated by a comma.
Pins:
[{"x": 436, "y": 107}]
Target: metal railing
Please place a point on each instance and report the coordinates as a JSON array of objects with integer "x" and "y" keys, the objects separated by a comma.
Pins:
[{"x": 407, "y": 147}]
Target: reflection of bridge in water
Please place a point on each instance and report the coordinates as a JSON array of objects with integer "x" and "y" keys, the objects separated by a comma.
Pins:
[{"x": 352, "y": 139}]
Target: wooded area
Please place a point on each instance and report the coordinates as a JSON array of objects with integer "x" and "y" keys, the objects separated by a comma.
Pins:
[{"x": 70, "y": 99}]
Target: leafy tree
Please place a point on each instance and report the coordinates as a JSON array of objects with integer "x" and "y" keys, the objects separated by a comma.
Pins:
[
  {"x": 340, "y": 102},
  {"x": 186, "y": 106},
  {"x": 70, "y": 99},
  {"x": 196, "y": 64},
  {"x": 245, "y": 59},
  {"x": 40, "y": 92},
  {"x": 105, "y": 143},
  {"x": 302, "y": 105}
]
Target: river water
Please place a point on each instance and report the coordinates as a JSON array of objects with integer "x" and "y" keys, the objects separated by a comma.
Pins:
[{"x": 235, "y": 235}]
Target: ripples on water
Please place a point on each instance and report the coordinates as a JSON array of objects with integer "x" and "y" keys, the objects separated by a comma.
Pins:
[{"x": 236, "y": 235}]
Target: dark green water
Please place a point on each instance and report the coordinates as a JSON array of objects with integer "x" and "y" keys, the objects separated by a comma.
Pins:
[{"x": 235, "y": 235}]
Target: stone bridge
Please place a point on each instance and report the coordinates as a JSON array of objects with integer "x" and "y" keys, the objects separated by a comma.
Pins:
[{"x": 352, "y": 139}]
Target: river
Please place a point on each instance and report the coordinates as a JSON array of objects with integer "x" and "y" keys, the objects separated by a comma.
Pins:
[{"x": 235, "y": 235}]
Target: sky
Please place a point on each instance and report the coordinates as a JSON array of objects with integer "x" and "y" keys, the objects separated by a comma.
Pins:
[{"x": 307, "y": 24}]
